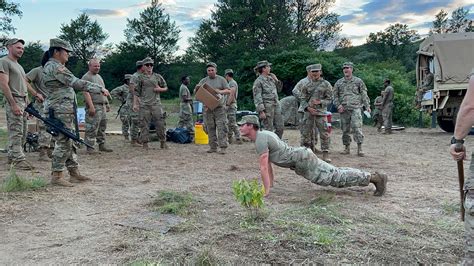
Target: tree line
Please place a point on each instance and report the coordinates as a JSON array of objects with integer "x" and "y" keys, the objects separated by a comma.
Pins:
[{"x": 289, "y": 33}]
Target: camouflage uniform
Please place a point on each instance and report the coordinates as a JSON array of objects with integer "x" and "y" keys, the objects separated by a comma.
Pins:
[
  {"x": 377, "y": 114},
  {"x": 352, "y": 95},
  {"x": 185, "y": 109},
  {"x": 291, "y": 117},
  {"x": 97, "y": 124},
  {"x": 35, "y": 77},
  {"x": 121, "y": 93},
  {"x": 59, "y": 84},
  {"x": 426, "y": 85},
  {"x": 231, "y": 112},
  {"x": 316, "y": 90},
  {"x": 134, "y": 116},
  {"x": 387, "y": 108},
  {"x": 151, "y": 110},
  {"x": 308, "y": 135},
  {"x": 216, "y": 120},
  {"x": 265, "y": 97},
  {"x": 16, "y": 124},
  {"x": 305, "y": 163}
]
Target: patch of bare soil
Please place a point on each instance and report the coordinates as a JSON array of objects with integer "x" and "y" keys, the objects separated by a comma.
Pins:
[{"x": 108, "y": 220}]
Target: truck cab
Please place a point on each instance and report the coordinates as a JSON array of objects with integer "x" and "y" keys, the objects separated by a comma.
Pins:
[{"x": 450, "y": 57}]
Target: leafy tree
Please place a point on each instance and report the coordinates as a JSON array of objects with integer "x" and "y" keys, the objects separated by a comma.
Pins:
[
  {"x": 312, "y": 19},
  {"x": 154, "y": 31},
  {"x": 32, "y": 56},
  {"x": 440, "y": 24},
  {"x": 343, "y": 43},
  {"x": 85, "y": 37},
  {"x": 7, "y": 10},
  {"x": 459, "y": 21}
]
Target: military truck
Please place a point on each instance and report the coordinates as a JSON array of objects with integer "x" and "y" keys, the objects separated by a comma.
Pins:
[{"x": 450, "y": 57}]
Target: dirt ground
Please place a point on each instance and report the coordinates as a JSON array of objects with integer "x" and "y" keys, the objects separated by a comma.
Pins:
[{"x": 417, "y": 221}]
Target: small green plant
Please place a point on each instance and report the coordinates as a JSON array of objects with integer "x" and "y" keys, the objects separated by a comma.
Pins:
[
  {"x": 13, "y": 182},
  {"x": 250, "y": 195},
  {"x": 172, "y": 202}
]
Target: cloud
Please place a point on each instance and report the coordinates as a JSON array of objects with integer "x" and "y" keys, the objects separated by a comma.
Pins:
[{"x": 104, "y": 12}]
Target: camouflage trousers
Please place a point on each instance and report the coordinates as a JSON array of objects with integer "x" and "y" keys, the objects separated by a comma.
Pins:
[
  {"x": 231, "y": 113},
  {"x": 469, "y": 217},
  {"x": 352, "y": 119},
  {"x": 126, "y": 119},
  {"x": 96, "y": 125},
  {"x": 387, "y": 116},
  {"x": 312, "y": 125},
  {"x": 151, "y": 114},
  {"x": 134, "y": 124},
  {"x": 64, "y": 154},
  {"x": 215, "y": 122},
  {"x": 378, "y": 119},
  {"x": 186, "y": 117},
  {"x": 16, "y": 125},
  {"x": 321, "y": 173},
  {"x": 45, "y": 139},
  {"x": 274, "y": 118}
]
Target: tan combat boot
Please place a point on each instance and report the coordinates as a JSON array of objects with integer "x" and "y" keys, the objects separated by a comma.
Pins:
[
  {"x": 57, "y": 178},
  {"x": 163, "y": 145},
  {"x": 359, "y": 150},
  {"x": 135, "y": 143},
  {"x": 347, "y": 149},
  {"x": 145, "y": 145},
  {"x": 326, "y": 157},
  {"x": 43, "y": 155},
  {"x": 76, "y": 177},
  {"x": 91, "y": 151},
  {"x": 104, "y": 148},
  {"x": 222, "y": 151},
  {"x": 230, "y": 140},
  {"x": 380, "y": 182}
]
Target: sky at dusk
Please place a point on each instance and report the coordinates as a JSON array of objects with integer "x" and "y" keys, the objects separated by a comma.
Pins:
[{"x": 42, "y": 19}]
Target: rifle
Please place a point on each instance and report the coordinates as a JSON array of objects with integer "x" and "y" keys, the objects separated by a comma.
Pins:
[
  {"x": 120, "y": 108},
  {"x": 55, "y": 126}
]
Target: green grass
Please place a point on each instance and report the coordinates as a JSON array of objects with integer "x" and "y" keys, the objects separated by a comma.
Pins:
[
  {"x": 3, "y": 138},
  {"x": 172, "y": 202},
  {"x": 450, "y": 208},
  {"x": 14, "y": 182},
  {"x": 144, "y": 263}
]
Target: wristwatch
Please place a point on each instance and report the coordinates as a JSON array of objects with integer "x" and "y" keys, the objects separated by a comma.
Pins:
[{"x": 456, "y": 141}]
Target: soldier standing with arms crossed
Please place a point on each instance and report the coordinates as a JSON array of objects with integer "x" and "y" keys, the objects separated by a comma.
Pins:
[
  {"x": 121, "y": 93},
  {"x": 97, "y": 107},
  {"x": 231, "y": 105},
  {"x": 350, "y": 96},
  {"x": 464, "y": 123},
  {"x": 265, "y": 96},
  {"x": 387, "y": 107},
  {"x": 185, "y": 108},
  {"x": 60, "y": 84},
  {"x": 148, "y": 86},
  {"x": 215, "y": 121},
  {"x": 14, "y": 86},
  {"x": 315, "y": 97}
]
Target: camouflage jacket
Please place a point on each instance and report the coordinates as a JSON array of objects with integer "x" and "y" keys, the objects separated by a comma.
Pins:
[
  {"x": 316, "y": 90},
  {"x": 388, "y": 98},
  {"x": 297, "y": 89},
  {"x": 60, "y": 84},
  {"x": 428, "y": 82},
  {"x": 144, "y": 88},
  {"x": 121, "y": 93},
  {"x": 351, "y": 94},
  {"x": 265, "y": 91}
]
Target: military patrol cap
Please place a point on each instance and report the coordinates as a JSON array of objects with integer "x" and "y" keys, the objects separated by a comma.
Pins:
[
  {"x": 263, "y": 63},
  {"x": 128, "y": 76},
  {"x": 249, "y": 119},
  {"x": 348, "y": 64},
  {"x": 139, "y": 63},
  {"x": 211, "y": 64},
  {"x": 56, "y": 42},
  {"x": 13, "y": 41},
  {"x": 227, "y": 71},
  {"x": 314, "y": 67},
  {"x": 147, "y": 60}
]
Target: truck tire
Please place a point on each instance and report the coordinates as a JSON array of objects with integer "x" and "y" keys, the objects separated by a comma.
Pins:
[{"x": 446, "y": 123}]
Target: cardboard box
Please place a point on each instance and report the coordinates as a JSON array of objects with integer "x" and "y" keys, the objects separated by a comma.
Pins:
[
  {"x": 208, "y": 96},
  {"x": 32, "y": 126}
]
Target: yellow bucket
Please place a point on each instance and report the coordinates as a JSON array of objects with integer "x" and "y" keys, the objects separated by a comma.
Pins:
[{"x": 200, "y": 137}]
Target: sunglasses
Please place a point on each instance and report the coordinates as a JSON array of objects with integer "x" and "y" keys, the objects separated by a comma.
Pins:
[
  {"x": 314, "y": 71},
  {"x": 345, "y": 67},
  {"x": 149, "y": 65}
]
